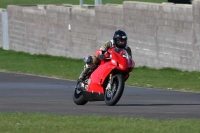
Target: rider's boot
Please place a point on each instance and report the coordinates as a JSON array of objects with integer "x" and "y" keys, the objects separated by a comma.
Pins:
[{"x": 84, "y": 74}]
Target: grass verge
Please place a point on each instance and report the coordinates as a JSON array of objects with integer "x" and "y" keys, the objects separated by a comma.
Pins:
[
  {"x": 46, "y": 123},
  {"x": 4, "y": 3},
  {"x": 68, "y": 68}
]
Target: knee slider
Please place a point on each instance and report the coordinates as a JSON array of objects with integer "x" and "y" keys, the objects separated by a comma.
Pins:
[{"x": 88, "y": 59}]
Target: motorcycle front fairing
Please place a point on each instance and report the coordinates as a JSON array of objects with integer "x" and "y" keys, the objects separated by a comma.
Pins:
[
  {"x": 97, "y": 78},
  {"x": 95, "y": 90}
]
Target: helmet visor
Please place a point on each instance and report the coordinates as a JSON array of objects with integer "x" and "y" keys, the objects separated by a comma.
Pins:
[{"x": 121, "y": 41}]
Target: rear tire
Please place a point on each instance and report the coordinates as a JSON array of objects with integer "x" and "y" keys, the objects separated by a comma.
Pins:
[
  {"x": 78, "y": 95},
  {"x": 117, "y": 88}
]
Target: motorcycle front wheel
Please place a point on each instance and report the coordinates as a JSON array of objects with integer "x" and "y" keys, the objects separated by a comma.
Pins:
[
  {"x": 115, "y": 92},
  {"x": 78, "y": 95}
]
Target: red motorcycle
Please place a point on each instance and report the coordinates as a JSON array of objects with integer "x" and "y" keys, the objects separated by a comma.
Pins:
[{"x": 105, "y": 82}]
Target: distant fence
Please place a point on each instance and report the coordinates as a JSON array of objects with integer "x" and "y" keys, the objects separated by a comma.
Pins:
[{"x": 160, "y": 35}]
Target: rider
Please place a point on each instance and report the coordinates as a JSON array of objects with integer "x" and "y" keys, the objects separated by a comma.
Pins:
[{"x": 119, "y": 41}]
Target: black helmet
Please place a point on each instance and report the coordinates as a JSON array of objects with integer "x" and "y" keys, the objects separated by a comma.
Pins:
[{"x": 120, "y": 39}]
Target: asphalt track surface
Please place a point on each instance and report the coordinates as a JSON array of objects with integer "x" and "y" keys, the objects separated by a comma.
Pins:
[{"x": 29, "y": 93}]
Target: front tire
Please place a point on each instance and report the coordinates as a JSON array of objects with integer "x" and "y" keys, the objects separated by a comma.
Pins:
[
  {"x": 113, "y": 95},
  {"x": 78, "y": 95}
]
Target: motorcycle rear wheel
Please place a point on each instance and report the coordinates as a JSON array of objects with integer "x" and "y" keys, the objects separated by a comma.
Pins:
[
  {"x": 78, "y": 95},
  {"x": 117, "y": 88}
]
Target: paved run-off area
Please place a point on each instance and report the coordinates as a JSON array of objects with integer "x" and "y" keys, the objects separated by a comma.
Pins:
[{"x": 28, "y": 93}]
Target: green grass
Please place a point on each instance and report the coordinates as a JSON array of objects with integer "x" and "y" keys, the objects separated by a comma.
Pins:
[
  {"x": 46, "y": 123},
  {"x": 40, "y": 64},
  {"x": 165, "y": 79},
  {"x": 4, "y": 3},
  {"x": 71, "y": 68}
]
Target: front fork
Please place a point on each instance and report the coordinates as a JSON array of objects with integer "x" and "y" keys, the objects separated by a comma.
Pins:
[
  {"x": 109, "y": 90},
  {"x": 108, "y": 87}
]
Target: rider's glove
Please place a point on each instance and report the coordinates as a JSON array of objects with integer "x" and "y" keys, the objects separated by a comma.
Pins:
[{"x": 101, "y": 57}]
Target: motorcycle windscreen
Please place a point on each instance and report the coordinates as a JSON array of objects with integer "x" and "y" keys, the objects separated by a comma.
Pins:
[{"x": 124, "y": 61}]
